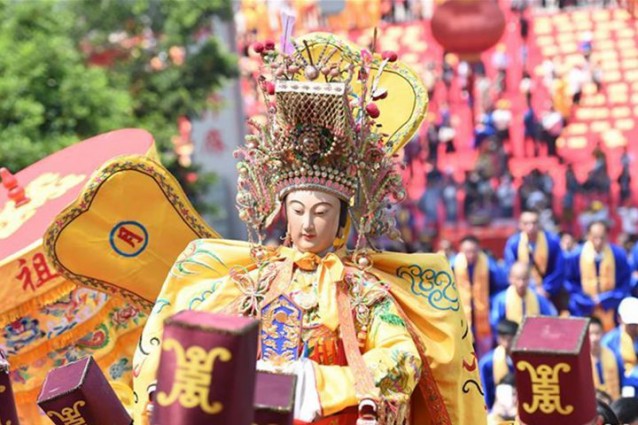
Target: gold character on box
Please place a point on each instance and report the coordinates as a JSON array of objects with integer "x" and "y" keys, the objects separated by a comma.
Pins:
[
  {"x": 193, "y": 376},
  {"x": 545, "y": 388},
  {"x": 70, "y": 415}
]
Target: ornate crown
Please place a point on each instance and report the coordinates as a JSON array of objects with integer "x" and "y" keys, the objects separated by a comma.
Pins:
[
  {"x": 316, "y": 139},
  {"x": 336, "y": 115}
]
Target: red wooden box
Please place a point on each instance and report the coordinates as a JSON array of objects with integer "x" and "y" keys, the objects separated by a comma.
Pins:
[
  {"x": 78, "y": 393},
  {"x": 274, "y": 399},
  {"x": 553, "y": 372},
  {"x": 207, "y": 370},
  {"x": 8, "y": 413}
]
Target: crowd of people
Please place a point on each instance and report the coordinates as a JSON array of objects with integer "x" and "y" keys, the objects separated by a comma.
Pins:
[
  {"x": 493, "y": 188},
  {"x": 479, "y": 199},
  {"x": 543, "y": 273}
]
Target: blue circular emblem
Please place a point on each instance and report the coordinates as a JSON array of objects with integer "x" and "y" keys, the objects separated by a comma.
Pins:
[{"x": 128, "y": 238}]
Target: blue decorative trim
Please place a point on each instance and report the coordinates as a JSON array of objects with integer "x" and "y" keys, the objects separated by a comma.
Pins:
[
  {"x": 437, "y": 287},
  {"x": 199, "y": 299},
  {"x": 160, "y": 304}
]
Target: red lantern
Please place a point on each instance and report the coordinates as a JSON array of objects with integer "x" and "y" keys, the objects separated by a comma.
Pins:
[{"x": 468, "y": 27}]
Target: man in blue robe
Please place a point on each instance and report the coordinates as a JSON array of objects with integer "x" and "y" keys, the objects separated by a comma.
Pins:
[
  {"x": 478, "y": 279},
  {"x": 541, "y": 251},
  {"x": 518, "y": 300},
  {"x": 497, "y": 363},
  {"x": 608, "y": 370},
  {"x": 623, "y": 340},
  {"x": 598, "y": 276}
]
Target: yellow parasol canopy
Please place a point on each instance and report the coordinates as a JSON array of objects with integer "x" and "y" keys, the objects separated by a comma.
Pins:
[{"x": 124, "y": 231}]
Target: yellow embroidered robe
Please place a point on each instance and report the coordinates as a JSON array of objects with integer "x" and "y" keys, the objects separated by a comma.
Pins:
[{"x": 417, "y": 334}]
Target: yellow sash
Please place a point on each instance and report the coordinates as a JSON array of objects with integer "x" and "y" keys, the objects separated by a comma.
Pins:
[
  {"x": 477, "y": 291},
  {"x": 627, "y": 351},
  {"x": 514, "y": 305},
  {"x": 499, "y": 364},
  {"x": 594, "y": 283},
  {"x": 610, "y": 373},
  {"x": 541, "y": 254}
]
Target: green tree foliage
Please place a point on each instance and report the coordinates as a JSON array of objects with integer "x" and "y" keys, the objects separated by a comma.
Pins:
[
  {"x": 149, "y": 37},
  {"x": 49, "y": 98},
  {"x": 74, "y": 68}
]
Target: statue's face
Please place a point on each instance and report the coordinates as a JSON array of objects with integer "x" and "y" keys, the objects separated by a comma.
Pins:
[{"x": 313, "y": 220}]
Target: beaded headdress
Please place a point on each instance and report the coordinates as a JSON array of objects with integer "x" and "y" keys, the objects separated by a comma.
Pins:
[{"x": 336, "y": 116}]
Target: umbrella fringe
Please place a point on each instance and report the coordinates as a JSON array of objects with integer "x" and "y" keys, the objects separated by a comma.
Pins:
[{"x": 50, "y": 297}]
